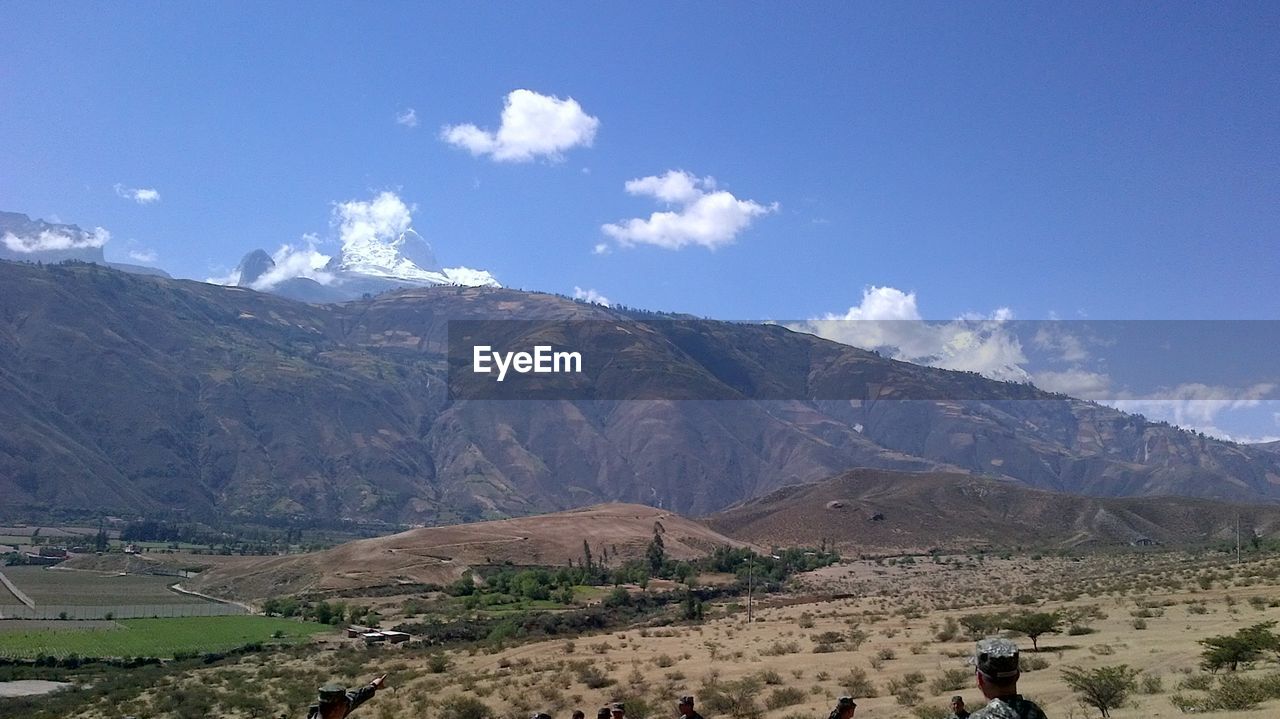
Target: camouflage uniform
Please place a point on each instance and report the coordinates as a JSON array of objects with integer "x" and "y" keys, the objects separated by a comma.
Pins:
[
  {"x": 354, "y": 698},
  {"x": 998, "y": 661},
  {"x": 1010, "y": 707}
]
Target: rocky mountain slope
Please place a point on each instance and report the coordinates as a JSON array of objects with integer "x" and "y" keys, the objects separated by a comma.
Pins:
[{"x": 136, "y": 394}]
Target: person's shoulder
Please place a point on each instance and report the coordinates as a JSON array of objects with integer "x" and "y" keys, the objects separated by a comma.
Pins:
[
  {"x": 995, "y": 710},
  {"x": 1028, "y": 709}
]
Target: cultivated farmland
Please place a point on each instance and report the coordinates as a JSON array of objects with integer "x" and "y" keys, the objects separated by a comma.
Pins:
[
  {"x": 62, "y": 587},
  {"x": 153, "y": 637}
]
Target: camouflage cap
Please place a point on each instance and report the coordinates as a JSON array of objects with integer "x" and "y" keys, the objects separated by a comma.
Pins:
[
  {"x": 617, "y": 707},
  {"x": 843, "y": 702},
  {"x": 541, "y": 715},
  {"x": 685, "y": 700},
  {"x": 997, "y": 658},
  {"x": 332, "y": 692},
  {"x": 603, "y": 713},
  {"x": 957, "y": 698}
]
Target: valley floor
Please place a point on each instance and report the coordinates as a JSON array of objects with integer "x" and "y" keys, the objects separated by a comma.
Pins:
[{"x": 897, "y": 643}]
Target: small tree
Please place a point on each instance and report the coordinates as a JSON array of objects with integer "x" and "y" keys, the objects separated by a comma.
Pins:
[
  {"x": 982, "y": 625},
  {"x": 1035, "y": 624},
  {"x": 1103, "y": 688},
  {"x": 1246, "y": 645}
]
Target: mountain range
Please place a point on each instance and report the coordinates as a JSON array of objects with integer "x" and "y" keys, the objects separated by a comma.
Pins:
[
  {"x": 365, "y": 266},
  {"x": 138, "y": 394},
  {"x": 23, "y": 239}
]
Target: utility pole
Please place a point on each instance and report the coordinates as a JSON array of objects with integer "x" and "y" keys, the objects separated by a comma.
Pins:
[
  {"x": 751, "y": 570},
  {"x": 1238, "y": 559}
]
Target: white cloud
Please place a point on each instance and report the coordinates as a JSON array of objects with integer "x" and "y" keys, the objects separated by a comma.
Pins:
[
  {"x": 1075, "y": 382},
  {"x": 888, "y": 320},
  {"x": 47, "y": 240},
  {"x": 1196, "y": 406},
  {"x": 407, "y": 117},
  {"x": 601, "y": 248},
  {"x": 707, "y": 216},
  {"x": 380, "y": 220},
  {"x": 1068, "y": 347},
  {"x": 591, "y": 296},
  {"x": 292, "y": 261},
  {"x": 533, "y": 126},
  {"x": 140, "y": 195},
  {"x": 146, "y": 256},
  {"x": 230, "y": 279}
]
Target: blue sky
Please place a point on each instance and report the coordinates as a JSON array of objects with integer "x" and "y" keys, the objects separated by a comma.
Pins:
[{"x": 1058, "y": 160}]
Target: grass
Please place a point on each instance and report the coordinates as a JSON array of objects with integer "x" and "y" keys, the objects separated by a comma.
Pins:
[
  {"x": 68, "y": 588},
  {"x": 156, "y": 637}
]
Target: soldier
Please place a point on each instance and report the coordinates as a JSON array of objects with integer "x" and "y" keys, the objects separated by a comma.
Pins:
[
  {"x": 603, "y": 713},
  {"x": 618, "y": 710},
  {"x": 845, "y": 706},
  {"x": 577, "y": 714},
  {"x": 336, "y": 702},
  {"x": 685, "y": 706},
  {"x": 996, "y": 661},
  {"x": 958, "y": 710}
]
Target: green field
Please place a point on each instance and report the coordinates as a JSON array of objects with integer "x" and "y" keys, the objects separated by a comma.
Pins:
[
  {"x": 156, "y": 637},
  {"x": 70, "y": 588}
]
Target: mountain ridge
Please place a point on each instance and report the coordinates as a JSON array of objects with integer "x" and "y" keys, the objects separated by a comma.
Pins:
[{"x": 140, "y": 394}]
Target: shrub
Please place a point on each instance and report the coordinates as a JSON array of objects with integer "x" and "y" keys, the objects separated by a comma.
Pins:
[
  {"x": 951, "y": 680},
  {"x": 784, "y": 697},
  {"x": 1151, "y": 684},
  {"x": 949, "y": 631},
  {"x": 777, "y": 649},
  {"x": 856, "y": 683},
  {"x": 593, "y": 676},
  {"x": 806, "y": 621},
  {"x": 1140, "y": 624},
  {"x": 908, "y": 696},
  {"x": 664, "y": 661},
  {"x": 464, "y": 707},
  {"x": 771, "y": 677},
  {"x": 930, "y": 711},
  {"x": 857, "y": 637},
  {"x": 437, "y": 663},
  {"x": 1032, "y": 664},
  {"x": 736, "y": 698},
  {"x": 1197, "y": 682},
  {"x": 1103, "y": 688}
]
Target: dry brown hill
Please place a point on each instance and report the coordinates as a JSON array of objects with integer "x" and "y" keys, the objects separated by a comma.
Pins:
[
  {"x": 876, "y": 510},
  {"x": 439, "y": 555}
]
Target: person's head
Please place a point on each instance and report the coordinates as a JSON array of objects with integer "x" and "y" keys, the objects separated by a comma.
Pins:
[
  {"x": 957, "y": 703},
  {"x": 996, "y": 661},
  {"x": 617, "y": 710},
  {"x": 333, "y": 701},
  {"x": 603, "y": 713},
  {"x": 577, "y": 714},
  {"x": 541, "y": 715},
  {"x": 685, "y": 705},
  {"x": 845, "y": 707}
]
